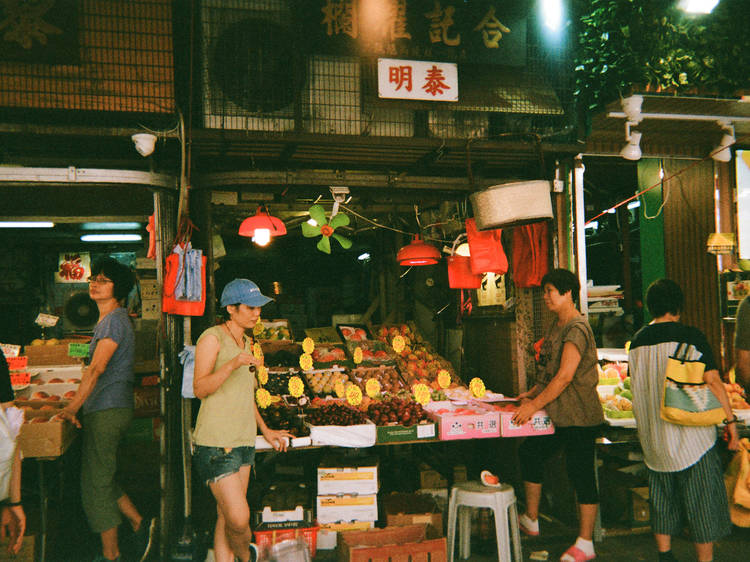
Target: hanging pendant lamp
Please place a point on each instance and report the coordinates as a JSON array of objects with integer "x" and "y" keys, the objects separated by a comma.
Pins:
[
  {"x": 418, "y": 252},
  {"x": 261, "y": 227}
]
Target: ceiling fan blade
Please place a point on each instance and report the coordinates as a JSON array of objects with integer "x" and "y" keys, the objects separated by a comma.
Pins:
[
  {"x": 318, "y": 214},
  {"x": 324, "y": 245},
  {"x": 308, "y": 230},
  {"x": 343, "y": 240}
]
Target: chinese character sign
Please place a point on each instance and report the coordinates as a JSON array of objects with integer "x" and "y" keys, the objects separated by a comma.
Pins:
[
  {"x": 417, "y": 80},
  {"x": 487, "y": 31},
  {"x": 73, "y": 267}
]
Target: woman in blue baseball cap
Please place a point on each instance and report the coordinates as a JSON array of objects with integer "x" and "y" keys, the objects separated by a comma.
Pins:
[{"x": 228, "y": 418}]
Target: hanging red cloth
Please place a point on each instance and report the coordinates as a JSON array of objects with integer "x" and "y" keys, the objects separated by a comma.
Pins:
[
  {"x": 487, "y": 254},
  {"x": 530, "y": 254}
]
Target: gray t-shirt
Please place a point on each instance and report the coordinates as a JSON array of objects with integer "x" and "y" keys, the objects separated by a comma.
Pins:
[
  {"x": 114, "y": 388},
  {"x": 742, "y": 326},
  {"x": 578, "y": 404}
]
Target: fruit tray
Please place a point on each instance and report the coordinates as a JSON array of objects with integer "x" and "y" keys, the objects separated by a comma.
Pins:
[
  {"x": 322, "y": 382},
  {"x": 388, "y": 376},
  {"x": 353, "y": 332},
  {"x": 374, "y": 352},
  {"x": 278, "y": 381},
  {"x": 330, "y": 355}
]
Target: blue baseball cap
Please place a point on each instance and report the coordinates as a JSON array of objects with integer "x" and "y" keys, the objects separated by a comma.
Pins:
[{"x": 243, "y": 291}]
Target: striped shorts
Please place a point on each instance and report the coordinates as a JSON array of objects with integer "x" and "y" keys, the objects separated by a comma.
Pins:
[{"x": 695, "y": 496}]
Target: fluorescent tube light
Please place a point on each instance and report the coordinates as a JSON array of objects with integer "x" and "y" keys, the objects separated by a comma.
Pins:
[
  {"x": 111, "y": 238},
  {"x": 26, "y": 224}
]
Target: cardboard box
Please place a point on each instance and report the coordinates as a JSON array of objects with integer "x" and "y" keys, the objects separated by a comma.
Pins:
[
  {"x": 357, "y": 476},
  {"x": 297, "y": 518},
  {"x": 412, "y": 509},
  {"x": 640, "y": 510},
  {"x": 334, "y": 509},
  {"x": 539, "y": 424},
  {"x": 146, "y": 401},
  {"x": 328, "y": 533},
  {"x": 464, "y": 422},
  {"x": 48, "y": 439},
  {"x": 429, "y": 478},
  {"x": 52, "y": 354},
  {"x": 400, "y": 433},
  {"x": 266, "y": 539},
  {"x": 26, "y": 554},
  {"x": 415, "y": 542}
]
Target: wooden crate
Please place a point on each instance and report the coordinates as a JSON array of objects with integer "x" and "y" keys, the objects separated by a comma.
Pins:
[{"x": 413, "y": 543}]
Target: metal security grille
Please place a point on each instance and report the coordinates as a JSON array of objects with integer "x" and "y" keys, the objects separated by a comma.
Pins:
[
  {"x": 261, "y": 71},
  {"x": 87, "y": 55}
]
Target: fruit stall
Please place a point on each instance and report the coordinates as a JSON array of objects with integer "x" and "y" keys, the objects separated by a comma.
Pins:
[{"x": 345, "y": 392}]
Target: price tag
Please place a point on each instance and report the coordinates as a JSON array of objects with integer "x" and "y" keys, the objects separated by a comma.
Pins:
[
  {"x": 262, "y": 398},
  {"x": 20, "y": 378},
  {"x": 78, "y": 350},
  {"x": 372, "y": 386},
  {"x": 308, "y": 345},
  {"x": 46, "y": 320},
  {"x": 398, "y": 344},
  {"x": 296, "y": 386},
  {"x": 476, "y": 385},
  {"x": 421, "y": 393},
  {"x": 353, "y": 395},
  {"x": 305, "y": 362},
  {"x": 262, "y": 375},
  {"x": 357, "y": 356},
  {"x": 10, "y": 350},
  {"x": 257, "y": 351},
  {"x": 444, "y": 378},
  {"x": 339, "y": 389},
  {"x": 17, "y": 363}
]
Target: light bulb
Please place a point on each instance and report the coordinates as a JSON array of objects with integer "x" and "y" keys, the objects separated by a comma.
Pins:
[{"x": 262, "y": 236}]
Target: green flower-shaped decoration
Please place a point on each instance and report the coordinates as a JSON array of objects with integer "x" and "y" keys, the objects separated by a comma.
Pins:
[{"x": 326, "y": 228}]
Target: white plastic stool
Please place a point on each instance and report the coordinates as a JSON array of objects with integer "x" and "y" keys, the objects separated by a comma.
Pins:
[{"x": 501, "y": 500}]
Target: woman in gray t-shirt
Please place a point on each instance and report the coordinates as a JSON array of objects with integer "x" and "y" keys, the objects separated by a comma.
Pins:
[
  {"x": 105, "y": 400},
  {"x": 566, "y": 387}
]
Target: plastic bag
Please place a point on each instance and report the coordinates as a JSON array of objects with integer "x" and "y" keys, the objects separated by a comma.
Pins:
[{"x": 487, "y": 253}]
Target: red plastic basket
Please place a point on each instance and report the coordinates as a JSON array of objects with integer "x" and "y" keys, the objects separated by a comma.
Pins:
[{"x": 269, "y": 538}]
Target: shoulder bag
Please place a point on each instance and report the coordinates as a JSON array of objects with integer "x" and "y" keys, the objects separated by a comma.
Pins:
[{"x": 687, "y": 399}]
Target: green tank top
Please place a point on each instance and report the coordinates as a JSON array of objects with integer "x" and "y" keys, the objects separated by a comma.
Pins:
[{"x": 227, "y": 417}]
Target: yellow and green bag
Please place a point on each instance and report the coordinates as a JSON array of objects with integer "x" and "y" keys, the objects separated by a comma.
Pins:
[{"x": 687, "y": 399}]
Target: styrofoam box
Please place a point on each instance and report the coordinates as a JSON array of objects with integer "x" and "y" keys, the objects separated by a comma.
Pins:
[
  {"x": 539, "y": 424},
  {"x": 262, "y": 445},
  {"x": 348, "y": 480},
  {"x": 58, "y": 390},
  {"x": 454, "y": 424},
  {"x": 42, "y": 375},
  {"x": 361, "y": 435},
  {"x": 334, "y": 509}
]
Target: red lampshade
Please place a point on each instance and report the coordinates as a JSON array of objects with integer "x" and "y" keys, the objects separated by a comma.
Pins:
[
  {"x": 262, "y": 220},
  {"x": 418, "y": 253}
]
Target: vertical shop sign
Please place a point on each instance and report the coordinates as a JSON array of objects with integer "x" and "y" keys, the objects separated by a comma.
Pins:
[
  {"x": 73, "y": 267},
  {"x": 417, "y": 80}
]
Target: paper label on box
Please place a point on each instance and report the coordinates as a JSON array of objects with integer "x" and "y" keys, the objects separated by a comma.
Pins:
[
  {"x": 346, "y": 500},
  {"x": 20, "y": 378},
  {"x": 46, "y": 320},
  {"x": 425, "y": 431},
  {"x": 78, "y": 350},
  {"x": 349, "y": 475}
]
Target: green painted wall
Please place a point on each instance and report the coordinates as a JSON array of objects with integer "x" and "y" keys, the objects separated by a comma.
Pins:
[{"x": 651, "y": 229}]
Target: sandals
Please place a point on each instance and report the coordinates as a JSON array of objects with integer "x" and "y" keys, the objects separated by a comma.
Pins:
[
  {"x": 575, "y": 554},
  {"x": 525, "y": 529}
]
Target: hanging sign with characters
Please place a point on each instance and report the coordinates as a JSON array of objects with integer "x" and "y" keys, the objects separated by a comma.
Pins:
[
  {"x": 417, "y": 80},
  {"x": 73, "y": 267}
]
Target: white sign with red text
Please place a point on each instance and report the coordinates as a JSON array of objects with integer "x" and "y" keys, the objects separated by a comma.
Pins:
[{"x": 417, "y": 80}]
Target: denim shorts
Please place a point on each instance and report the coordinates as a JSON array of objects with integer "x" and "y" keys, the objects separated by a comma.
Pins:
[{"x": 214, "y": 463}]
